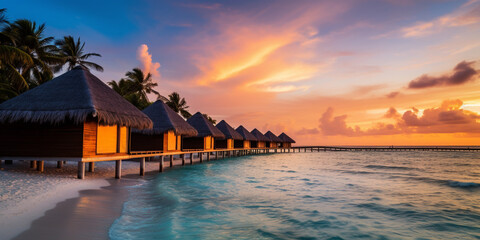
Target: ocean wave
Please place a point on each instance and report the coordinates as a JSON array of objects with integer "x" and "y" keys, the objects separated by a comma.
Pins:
[
  {"x": 463, "y": 184},
  {"x": 390, "y": 167}
]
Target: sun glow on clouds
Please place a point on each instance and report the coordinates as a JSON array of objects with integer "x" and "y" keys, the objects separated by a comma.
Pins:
[{"x": 145, "y": 58}]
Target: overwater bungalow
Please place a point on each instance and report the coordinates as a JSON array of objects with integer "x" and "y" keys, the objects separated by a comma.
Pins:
[
  {"x": 273, "y": 140},
  {"x": 246, "y": 137},
  {"x": 231, "y": 136},
  {"x": 167, "y": 133},
  {"x": 261, "y": 139},
  {"x": 70, "y": 117},
  {"x": 286, "y": 140},
  {"x": 205, "y": 140}
]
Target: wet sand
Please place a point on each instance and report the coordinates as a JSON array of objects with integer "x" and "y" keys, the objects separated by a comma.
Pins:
[{"x": 88, "y": 216}]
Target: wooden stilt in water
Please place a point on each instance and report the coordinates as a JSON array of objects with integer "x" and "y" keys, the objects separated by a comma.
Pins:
[
  {"x": 142, "y": 166},
  {"x": 216, "y": 155},
  {"x": 161, "y": 163},
  {"x": 59, "y": 164},
  {"x": 191, "y": 158},
  {"x": 33, "y": 164},
  {"x": 40, "y": 166},
  {"x": 201, "y": 156},
  {"x": 208, "y": 156},
  {"x": 118, "y": 169},
  {"x": 183, "y": 159},
  {"x": 91, "y": 167},
  {"x": 81, "y": 170},
  {"x": 171, "y": 161}
]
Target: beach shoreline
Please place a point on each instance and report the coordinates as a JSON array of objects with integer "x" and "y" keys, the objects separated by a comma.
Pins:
[{"x": 54, "y": 204}]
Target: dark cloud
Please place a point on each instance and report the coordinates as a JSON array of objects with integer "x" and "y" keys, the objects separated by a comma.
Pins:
[{"x": 462, "y": 73}]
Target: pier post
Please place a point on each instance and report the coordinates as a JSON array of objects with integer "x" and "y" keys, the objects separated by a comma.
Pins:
[
  {"x": 208, "y": 156},
  {"x": 91, "y": 167},
  {"x": 171, "y": 161},
  {"x": 142, "y": 166},
  {"x": 183, "y": 159},
  {"x": 191, "y": 158},
  {"x": 200, "y": 155},
  {"x": 59, "y": 164},
  {"x": 216, "y": 155},
  {"x": 81, "y": 170},
  {"x": 160, "y": 169},
  {"x": 118, "y": 169},
  {"x": 33, "y": 164},
  {"x": 40, "y": 166}
]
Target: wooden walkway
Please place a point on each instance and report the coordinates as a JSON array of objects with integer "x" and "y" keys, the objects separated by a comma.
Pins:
[
  {"x": 386, "y": 149},
  {"x": 188, "y": 156}
]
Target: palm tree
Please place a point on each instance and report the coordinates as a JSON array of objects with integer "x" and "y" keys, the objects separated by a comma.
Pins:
[
  {"x": 11, "y": 81},
  {"x": 142, "y": 84},
  {"x": 135, "y": 88},
  {"x": 178, "y": 104},
  {"x": 72, "y": 53},
  {"x": 26, "y": 36},
  {"x": 210, "y": 119}
]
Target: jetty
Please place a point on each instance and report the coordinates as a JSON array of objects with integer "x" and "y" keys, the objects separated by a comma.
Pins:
[{"x": 387, "y": 148}]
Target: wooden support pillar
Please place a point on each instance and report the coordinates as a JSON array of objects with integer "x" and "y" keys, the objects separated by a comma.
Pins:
[
  {"x": 142, "y": 166},
  {"x": 216, "y": 155},
  {"x": 191, "y": 158},
  {"x": 91, "y": 167},
  {"x": 160, "y": 169},
  {"x": 171, "y": 161},
  {"x": 40, "y": 166},
  {"x": 183, "y": 159},
  {"x": 208, "y": 156},
  {"x": 118, "y": 169},
  {"x": 200, "y": 155},
  {"x": 59, "y": 164},
  {"x": 33, "y": 164},
  {"x": 81, "y": 170}
]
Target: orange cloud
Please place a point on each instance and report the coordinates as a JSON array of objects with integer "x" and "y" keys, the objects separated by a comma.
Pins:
[
  {"x": 145, "y": 59},
  {"x": 448, "y": 118}
]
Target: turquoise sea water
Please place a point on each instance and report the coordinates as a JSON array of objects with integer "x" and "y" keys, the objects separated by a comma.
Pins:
[{"x": 325, "y": 195}]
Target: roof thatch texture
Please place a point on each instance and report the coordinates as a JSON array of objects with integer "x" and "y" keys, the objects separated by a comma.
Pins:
[
  {"x": 285, "y": 138},
  {"x": 259, "y": 135},
  {"x": 204, "y": 127},
  {"x": 165, "y": 119},
  {"x": 228, "y": 131},
  {"x": 73, "y": 96},
  {"x": 272, "y": 137},
  {"x": 246, "y": 135}
]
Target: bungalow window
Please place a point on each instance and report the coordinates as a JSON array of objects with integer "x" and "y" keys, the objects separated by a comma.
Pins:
[
  {"x": 208, "y": 142},
  {"x": 112, "y": 139},
  {"x": 106, "y": 139}
]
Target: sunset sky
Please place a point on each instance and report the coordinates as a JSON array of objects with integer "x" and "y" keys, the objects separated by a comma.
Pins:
[{"x": 324, "y": 72}]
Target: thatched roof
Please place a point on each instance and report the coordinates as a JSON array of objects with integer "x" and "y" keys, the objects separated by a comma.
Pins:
[
  {"x": 228, "y": 131},
  {"x": 259, "y": 135},
  {"x": 204, "y": 127},
  {"x": 246, "y": 135},
  {"x": 285, "y": 138},
  {"x": 165, "y": 119},
  {"x": 73, "y": 96},
  {"x": 272, "y": 137}
]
